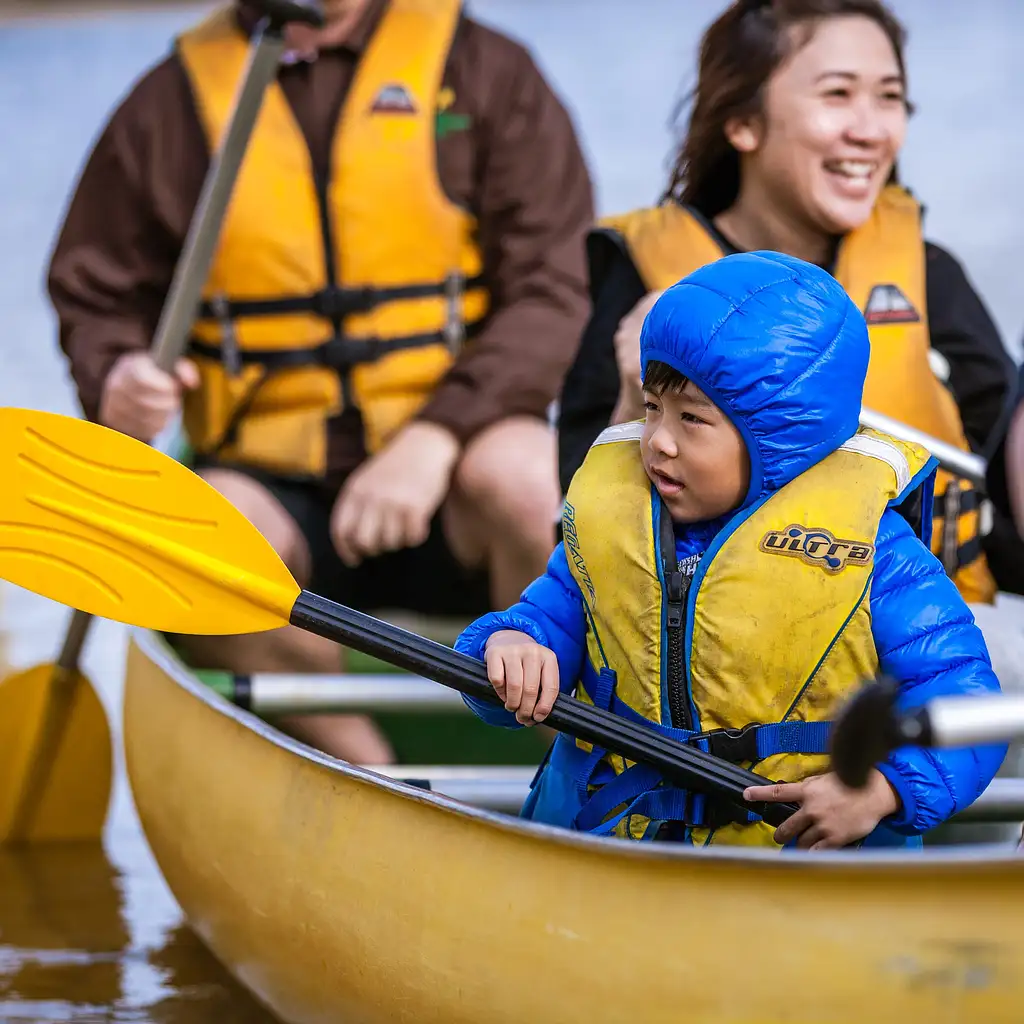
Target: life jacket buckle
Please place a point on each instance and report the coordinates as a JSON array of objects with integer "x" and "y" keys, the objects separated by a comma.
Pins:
[
  {"x": 734, "y": 745},
  {"x": 454, "y": 325},
  {"x": 951, "y": 527},
  {"x": 341, "y": 354},
  {"x": 986, "y": 517},
  {"x": 334, "y": 303},
  {"x": 231, "y": 354}
]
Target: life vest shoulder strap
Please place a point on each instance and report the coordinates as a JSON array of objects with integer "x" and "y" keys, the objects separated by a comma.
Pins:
[
  {"x": 618, "y": 432},
  {"x": 665, "y": 242},
  {"x": 908, "y": 461}
]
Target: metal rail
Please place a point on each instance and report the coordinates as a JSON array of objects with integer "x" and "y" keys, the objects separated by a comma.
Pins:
[
  {"x": 282, "y": 694},
  {"x": 964, "y": 464}
]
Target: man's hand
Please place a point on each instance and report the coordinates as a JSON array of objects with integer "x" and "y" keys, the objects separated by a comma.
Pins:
[
  {"x": 139, "y": 399},
  {"x": 630, "y": 405},
  {"x": 831, "y": 815},
  {"x": 388, "y": 502}
]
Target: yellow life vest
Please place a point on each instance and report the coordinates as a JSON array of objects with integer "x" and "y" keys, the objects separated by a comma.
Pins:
[
  {"x": 740, "y": 657},
  {"x": 353, "y": 291},
  {"x": 881, "y": 266}
]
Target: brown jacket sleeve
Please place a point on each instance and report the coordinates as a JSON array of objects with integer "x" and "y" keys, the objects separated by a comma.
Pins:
[
  {"x": 534, "y": 202},
  {"x": 114, "y": 259},
  {"x": 519, "y": 167}
]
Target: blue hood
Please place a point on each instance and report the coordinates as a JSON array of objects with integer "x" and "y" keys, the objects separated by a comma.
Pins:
[{"x": 778, "y": 346}]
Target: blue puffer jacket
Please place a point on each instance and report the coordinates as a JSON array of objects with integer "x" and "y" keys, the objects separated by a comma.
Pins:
[{"x": 780, "y": 348}]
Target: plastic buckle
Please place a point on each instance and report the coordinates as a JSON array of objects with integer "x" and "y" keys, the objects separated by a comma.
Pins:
[
  {"x": 333, "y": 302},
  {"x": 341, "y": 354},
  {"x": 986, "y": 517},
  {"x": 230, "y": 351},
  {"x": 454, "y": 327},
  {"x": 720, "y": 813},
  {"x": 733, "y": 745}
]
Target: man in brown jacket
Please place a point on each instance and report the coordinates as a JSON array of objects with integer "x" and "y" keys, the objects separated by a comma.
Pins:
[{"x": 398, "y": 290}]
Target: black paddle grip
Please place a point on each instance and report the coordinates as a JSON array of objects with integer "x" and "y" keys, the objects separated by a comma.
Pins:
[
  {"x": 284, "y": 12},
  {"x": 685, "y": 766}
]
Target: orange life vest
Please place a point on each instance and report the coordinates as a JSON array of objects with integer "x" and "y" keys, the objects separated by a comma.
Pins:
[
  {"x": 357, "y": 290},
  {"x": 881, "y": 266}
]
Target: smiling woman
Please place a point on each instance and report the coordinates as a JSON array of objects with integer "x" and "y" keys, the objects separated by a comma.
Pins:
[{"x": 797, "y": 120}]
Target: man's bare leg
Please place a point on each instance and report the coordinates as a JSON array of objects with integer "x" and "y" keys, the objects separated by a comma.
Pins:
[
  {"x": 289, "y": 649},
  {"x": 503, "y": 506}
]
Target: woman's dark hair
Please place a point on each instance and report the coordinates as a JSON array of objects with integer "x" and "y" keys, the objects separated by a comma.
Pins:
[{"x": 738, "y": 54}]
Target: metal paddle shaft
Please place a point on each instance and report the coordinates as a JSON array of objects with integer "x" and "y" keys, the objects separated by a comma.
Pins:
[
  {"x": 193, "y": 267},
  {"x": 204, "y": 230},
  {"x": 870, "y": 727},
  {"x": 687, "y": 767},
  {"x": 175, "y": 326},
  {"x": 965, "y": 721}
]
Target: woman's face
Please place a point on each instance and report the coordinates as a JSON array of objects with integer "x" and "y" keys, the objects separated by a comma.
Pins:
[{"x": 833, "y": 123}]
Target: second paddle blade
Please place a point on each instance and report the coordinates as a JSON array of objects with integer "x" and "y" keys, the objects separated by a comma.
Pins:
[
  {"x": 104, "y": 523},
  {"x": 65, "y": 796}
]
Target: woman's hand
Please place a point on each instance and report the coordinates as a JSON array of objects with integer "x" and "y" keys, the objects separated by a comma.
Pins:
[
  {"x": 831, "y": 815},
  {"x": 523, "y": 673},
  {"x": 630, "y": 405}
]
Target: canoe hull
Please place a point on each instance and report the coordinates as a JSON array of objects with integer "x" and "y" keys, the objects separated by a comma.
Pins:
[{"x": 336, "y": 895}]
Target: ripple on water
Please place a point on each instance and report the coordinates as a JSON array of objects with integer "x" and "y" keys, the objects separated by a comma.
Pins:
[{"x": 83, "y": 940}]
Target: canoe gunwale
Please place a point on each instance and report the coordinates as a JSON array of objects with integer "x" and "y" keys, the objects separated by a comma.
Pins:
[{"x": 156, "y": 650}]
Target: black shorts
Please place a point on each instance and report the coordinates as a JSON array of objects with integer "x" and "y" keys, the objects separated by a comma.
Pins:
[{"x": 427, "y": 579}]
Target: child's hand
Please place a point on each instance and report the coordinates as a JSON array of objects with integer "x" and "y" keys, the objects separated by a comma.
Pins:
[
  {"x": 523, "y": 673},
  {"x": 831, "y": 815}
]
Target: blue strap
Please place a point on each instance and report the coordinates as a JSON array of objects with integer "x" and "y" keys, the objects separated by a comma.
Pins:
[
  {"x": 641, "y": 788},
  {"x": 774, "y": 738},
  {"x": 600, "y": 687},
  {"x": 623, "y": 789},
  {"x": 663, "y": 804},
  {"x": 793, "y": 738}
]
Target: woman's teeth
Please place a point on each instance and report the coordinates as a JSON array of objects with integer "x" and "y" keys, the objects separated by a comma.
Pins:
[{"x": 855, "y": 170}]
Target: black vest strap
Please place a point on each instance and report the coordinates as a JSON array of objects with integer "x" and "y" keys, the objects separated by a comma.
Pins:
[
  {"x": 330, "y": 303},
  {"x": 339, "y": 354}
]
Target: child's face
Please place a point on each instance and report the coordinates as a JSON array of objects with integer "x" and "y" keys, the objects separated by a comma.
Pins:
[{"x": 694, "y": 455}]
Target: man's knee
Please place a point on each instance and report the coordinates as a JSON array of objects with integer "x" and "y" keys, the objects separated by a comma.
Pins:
[
  {"x": 509, "y": 471},
  {"x": 266, "y": 513}
]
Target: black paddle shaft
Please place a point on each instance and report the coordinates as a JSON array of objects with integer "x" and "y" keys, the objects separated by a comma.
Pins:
[{"x": 683, "y": 765}]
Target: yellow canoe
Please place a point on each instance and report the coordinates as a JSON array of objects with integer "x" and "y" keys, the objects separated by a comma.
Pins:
[{"x": 335, "y": 894}]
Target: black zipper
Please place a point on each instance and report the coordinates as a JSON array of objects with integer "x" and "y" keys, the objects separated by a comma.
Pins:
[{"x": 677, "y": 586}]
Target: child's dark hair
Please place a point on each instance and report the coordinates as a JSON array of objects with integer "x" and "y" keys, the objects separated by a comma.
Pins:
[{"x": 660, "y": 377}]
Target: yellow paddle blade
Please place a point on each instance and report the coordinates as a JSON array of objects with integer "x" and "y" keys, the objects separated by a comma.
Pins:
[
  {"x": 104, "y": 523},
  {"x": 64, "y": 799}
]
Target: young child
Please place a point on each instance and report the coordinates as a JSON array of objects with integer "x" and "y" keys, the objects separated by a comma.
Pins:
[{"x": 732, "y": 568}]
